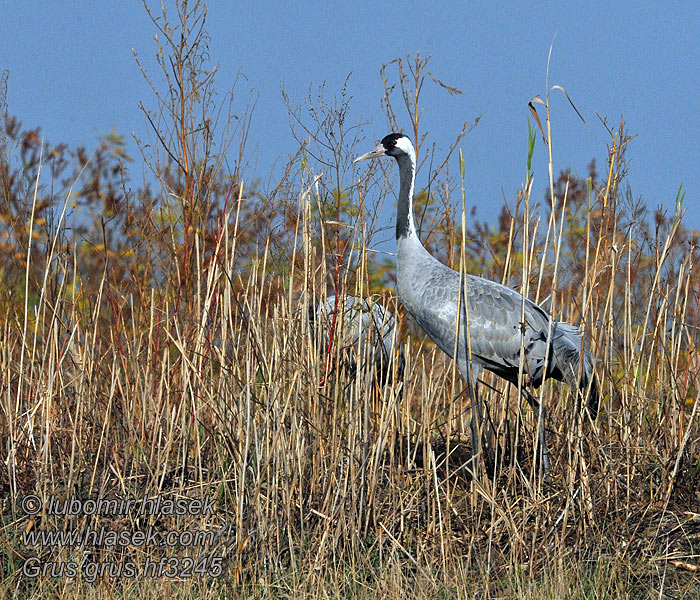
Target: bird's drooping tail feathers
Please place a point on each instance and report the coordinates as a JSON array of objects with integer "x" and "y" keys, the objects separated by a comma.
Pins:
[{"x": 567, "y": 347}]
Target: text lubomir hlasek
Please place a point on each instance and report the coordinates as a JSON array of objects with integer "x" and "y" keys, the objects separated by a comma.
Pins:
[{"x": 121, "y": 505}]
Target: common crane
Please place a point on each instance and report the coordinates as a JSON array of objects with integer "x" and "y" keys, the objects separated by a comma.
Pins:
[
  {"x": 369, "y": 332},
  {"x": 430, "y": 292}
]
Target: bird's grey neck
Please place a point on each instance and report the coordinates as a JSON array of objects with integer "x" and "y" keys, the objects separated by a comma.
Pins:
[{"x": 405, "y": 226}]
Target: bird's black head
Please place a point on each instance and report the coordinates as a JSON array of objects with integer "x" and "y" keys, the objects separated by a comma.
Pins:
[
  {"x": 394, "y": 144},
  {"x": 391, "y": 143}
]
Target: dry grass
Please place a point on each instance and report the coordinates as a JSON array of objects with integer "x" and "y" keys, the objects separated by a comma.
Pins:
[
  {"x": 336, "y": 490},
  {"x": 209, "y": 386}
]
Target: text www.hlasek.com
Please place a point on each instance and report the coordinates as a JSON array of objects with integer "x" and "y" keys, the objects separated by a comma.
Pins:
[{"x": 103, "y": 536}]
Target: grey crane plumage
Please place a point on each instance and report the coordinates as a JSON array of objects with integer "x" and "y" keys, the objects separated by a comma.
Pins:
[
  {"x": 429, "y": 290},
  {"x": 369, "y": 332}
]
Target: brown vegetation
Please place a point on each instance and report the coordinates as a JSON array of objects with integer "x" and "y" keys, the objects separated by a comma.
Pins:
[{"x": 152, "y": 342}]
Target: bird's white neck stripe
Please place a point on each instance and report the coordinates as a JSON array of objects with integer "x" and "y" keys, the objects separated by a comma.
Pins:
[{"x": 405, "y": 225}]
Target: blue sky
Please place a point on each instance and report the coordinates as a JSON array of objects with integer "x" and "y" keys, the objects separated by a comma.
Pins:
[{"x": 72, "y": 73}]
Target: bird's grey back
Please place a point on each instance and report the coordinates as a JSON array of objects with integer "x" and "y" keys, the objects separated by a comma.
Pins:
[{"x": 430, "y": 292}]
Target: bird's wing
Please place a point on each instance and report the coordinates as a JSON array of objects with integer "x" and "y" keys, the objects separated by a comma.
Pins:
[
  {"x": 494, "y": 315},
  {"x": 498, "y": 329}
]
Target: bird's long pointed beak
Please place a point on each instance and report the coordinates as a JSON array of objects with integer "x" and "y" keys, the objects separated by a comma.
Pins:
[{"x": 376, "y": 153}]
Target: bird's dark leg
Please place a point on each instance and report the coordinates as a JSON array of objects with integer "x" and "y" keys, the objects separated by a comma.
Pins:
[
  {"x": 541, "y": 443},
  {"x": 477, "y": 424},
  {"x": 476, "y": 419}
]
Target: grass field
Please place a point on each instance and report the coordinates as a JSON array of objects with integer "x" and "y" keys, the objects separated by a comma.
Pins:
[{"x": 159, "y": 348}]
